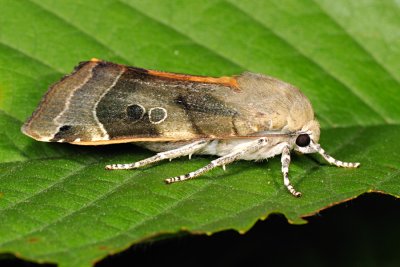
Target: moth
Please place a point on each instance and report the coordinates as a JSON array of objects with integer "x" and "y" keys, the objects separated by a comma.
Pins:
[{"x": 245, "y": 117}]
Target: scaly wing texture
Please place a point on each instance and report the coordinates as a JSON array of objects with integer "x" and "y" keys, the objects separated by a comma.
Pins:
[{"x": 58, "y": 204}]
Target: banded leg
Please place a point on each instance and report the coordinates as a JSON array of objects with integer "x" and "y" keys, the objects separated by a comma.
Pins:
[
  {"x": 285, "y": 159},
  {"x": 332, "y": 160},
  {"x": 222, "y": 161},
  {"x": 171, "y": 154}
]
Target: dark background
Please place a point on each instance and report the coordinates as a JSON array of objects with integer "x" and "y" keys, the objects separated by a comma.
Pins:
[{"x": 361, "y": 232}]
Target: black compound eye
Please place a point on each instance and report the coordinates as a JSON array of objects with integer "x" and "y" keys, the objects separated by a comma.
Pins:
[{"x": 303, "y": 140}]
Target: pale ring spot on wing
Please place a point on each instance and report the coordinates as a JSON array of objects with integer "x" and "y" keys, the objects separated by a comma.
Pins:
[{"x": 157, "y": 115}]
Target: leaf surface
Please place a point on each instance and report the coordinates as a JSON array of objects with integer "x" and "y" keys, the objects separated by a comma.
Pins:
[{"x": 57, "y": 204}]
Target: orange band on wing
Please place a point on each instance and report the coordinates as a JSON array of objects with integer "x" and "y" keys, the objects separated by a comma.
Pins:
[{"x": 227, "y": 81}]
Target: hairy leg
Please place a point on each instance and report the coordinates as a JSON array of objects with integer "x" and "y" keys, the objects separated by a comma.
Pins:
[
  {"x": 285, "y": 160},
  {"x": 171, "y": 154},
  {"x": 222, "y": 161}
]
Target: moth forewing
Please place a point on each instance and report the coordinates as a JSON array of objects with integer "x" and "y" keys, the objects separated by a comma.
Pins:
[{"x": 244, "y": 117}]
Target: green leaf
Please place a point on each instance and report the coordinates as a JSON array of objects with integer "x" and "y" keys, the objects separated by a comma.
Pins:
[{"x": 57, "y": 204}]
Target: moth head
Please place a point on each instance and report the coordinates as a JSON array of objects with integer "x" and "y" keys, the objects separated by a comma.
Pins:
[{"x": 307, "y": 136}]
